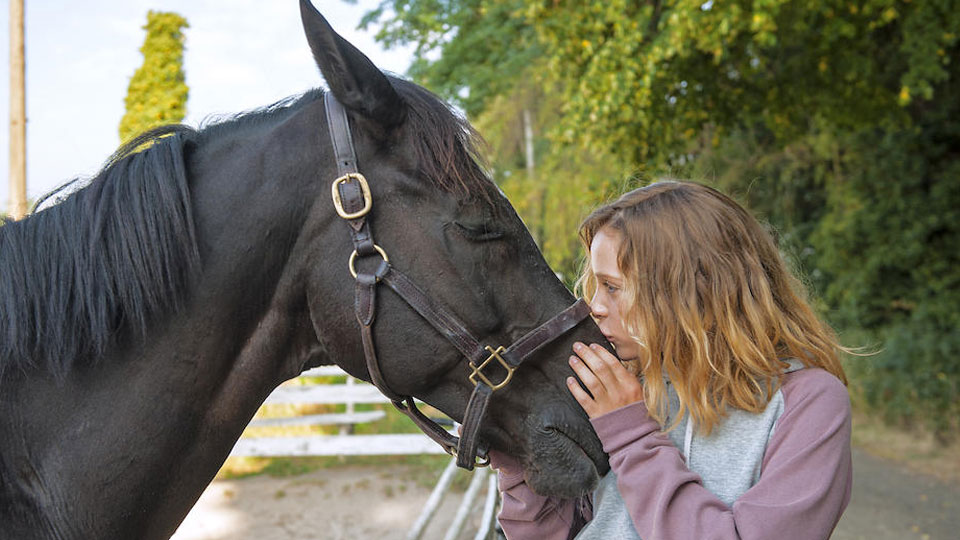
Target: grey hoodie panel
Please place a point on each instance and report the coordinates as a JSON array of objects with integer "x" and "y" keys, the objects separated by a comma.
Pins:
[{"x": 728, "y": 461}]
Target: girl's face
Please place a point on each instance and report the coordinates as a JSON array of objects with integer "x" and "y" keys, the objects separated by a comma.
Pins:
[{"x": 606, "y": 302}]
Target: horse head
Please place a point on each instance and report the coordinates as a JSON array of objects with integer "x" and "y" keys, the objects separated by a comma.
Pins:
[{"x": 437, "y": 218}]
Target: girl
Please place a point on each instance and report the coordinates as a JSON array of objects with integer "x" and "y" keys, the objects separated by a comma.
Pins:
[{"x": 738, "y": 425}]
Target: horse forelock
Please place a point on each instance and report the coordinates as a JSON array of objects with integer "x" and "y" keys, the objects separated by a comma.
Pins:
[
  {"x": 447, "y": 147},
  {"x": 102, "y": 263}
]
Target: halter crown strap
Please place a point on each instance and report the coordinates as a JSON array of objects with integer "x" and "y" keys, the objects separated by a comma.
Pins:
[
  {"x": 353, "y": 201},
  {"x": 351, "y": 196},
  {"x": 340, "y": 136}
]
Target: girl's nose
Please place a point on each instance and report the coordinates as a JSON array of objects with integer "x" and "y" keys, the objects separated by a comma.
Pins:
[{"x": 597, "y": 309}]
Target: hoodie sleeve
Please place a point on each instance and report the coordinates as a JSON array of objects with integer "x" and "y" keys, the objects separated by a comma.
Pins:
[
  {"x": 526, "y": 515},
  {"x": 804, "y": 484}
]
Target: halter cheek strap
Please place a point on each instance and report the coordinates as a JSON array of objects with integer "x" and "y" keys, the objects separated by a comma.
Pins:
[{"x": 353, "y": 201}]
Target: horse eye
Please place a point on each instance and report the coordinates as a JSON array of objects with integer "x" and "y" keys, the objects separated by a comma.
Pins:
[{"x": 479, "y": 233}]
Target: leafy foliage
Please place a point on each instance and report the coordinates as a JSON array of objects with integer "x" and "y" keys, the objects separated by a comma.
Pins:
[
  {"x": 157, "y": 94},
  {"x": 891, "y": 245},
  {"x": 567, "y": 181},
  {"x": 835, "y": 121},
  {"x": 872, "y": 220},
  {"x": 467, "y": 51},
  {"x": 648, "y": 77}
]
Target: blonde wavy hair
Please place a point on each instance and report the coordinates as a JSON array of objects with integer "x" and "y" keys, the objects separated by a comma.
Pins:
[{"x": 709, "y": 300}]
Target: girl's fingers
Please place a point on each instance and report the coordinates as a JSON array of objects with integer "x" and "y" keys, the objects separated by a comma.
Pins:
[
  {"x": 586, "y": 375},
  {"x": 604, "y": 354},
  {"x": 598, "y": 366},
  {"x": 623, "y": 387},
  {"x": 617, "y": 386},
  {"x": 613, "y": 363},
  {"x": 582, "y": 397}
]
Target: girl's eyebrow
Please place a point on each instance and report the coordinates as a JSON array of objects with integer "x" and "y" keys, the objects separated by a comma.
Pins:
[{"x": 607, "y": 277}]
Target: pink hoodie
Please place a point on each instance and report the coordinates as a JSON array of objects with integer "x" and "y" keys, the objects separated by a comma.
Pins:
[{"x": 803, "y": 487}]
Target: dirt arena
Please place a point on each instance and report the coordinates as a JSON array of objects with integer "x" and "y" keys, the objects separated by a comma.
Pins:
[
  {"x": 352, "y": 502},
  {"x": 889, "y": 502}
]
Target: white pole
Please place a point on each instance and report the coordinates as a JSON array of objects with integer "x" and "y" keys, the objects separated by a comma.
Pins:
[
  {"x": 433, "y": 502},
  {"x": 347, "y": 429},
  {"x": 528, "y": 144},
  {"x": 18, "y": 114},
  {"x": 466, "y": 505},
  {"x": 489, "y": 509}
]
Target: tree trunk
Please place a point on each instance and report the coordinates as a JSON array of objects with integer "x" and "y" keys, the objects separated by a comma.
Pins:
[{"x": 539, "y": 227}]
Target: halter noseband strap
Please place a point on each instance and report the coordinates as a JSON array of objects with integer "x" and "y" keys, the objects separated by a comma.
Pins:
[{"x": 353, "y": 201}]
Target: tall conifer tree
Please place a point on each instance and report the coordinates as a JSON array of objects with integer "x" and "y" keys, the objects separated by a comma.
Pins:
[{"x": 157, "y": 94}]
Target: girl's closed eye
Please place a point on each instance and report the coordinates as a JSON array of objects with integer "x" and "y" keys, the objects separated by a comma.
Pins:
[{"x": 611, "y": 288}]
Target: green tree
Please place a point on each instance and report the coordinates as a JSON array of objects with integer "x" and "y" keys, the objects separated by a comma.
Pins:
[
  {"x": 485, "y": 57},
  {"x": 467, "y": 51},
  {"x": 648, "y": 78},
  {"x": 873, "y": 219},
  {"x": 890, "y": 246},
  {"x": 157, "y": 93},
  {"x": 566, "y": 183},
  {"x": 835, "y": 121}
]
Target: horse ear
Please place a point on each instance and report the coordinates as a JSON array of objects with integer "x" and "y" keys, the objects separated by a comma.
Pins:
[{"x": 353, "y": 79}]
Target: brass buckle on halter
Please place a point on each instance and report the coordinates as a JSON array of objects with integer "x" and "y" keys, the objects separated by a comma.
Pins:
[
  {"x": 338, "y": 201},
  {"x": 478, "y": 370}
]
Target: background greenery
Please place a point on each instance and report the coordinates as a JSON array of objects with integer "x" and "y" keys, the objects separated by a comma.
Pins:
[
  {"x": 157, "y": 94},
  {"x": 834, "y": 121}
]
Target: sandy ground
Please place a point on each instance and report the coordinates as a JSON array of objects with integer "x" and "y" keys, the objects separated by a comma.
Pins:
[
  {"x": 888, "y": 503},
  {"x": 340, "y": 503}
]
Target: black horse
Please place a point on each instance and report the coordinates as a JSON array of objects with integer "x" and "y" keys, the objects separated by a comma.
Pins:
[{"x": 147, "y": 316}]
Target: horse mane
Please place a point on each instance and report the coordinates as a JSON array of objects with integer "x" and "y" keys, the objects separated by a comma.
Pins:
[
  {"x": 106, "y": 260},
  {"x": 101, "y": 263},
  {"x": 448, "y": 149}
]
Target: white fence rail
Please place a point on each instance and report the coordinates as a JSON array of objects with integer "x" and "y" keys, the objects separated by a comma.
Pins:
[{"x": 350, "y": 393}]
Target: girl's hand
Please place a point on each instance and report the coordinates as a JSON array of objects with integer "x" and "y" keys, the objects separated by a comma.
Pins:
[{"x": 602, "y": 373}]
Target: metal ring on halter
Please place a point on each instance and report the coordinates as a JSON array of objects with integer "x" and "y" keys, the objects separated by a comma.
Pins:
[
  {"x": 353, "y": 259},
  {"x": 480, "y": 460}
]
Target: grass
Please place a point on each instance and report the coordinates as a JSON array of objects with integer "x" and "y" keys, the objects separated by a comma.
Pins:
[
  {"x": 912, "y": 447},
  {"x": 423, "y": 469}
]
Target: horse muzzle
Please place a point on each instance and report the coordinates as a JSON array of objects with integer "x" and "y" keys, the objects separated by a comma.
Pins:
[{"x": 565, "y": 457}]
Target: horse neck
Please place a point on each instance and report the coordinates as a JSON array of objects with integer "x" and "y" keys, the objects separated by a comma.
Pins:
[
  {"x": 144, "y": 430},
  {"x": 244, "y": 322}
]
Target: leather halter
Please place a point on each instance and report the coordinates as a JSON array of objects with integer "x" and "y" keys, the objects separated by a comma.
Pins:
[{"x": 353, "y": 201}]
